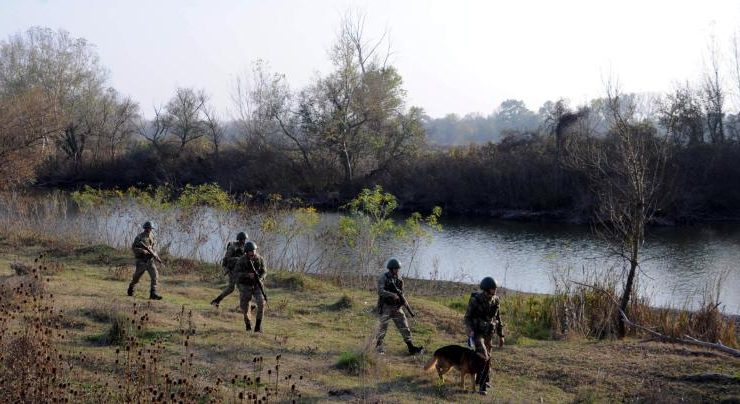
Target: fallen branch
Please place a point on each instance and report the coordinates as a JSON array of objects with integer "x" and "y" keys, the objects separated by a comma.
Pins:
[{"x": 686, "y": 340}]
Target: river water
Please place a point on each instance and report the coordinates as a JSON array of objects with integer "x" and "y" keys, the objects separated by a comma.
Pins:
[{"x": 680, "y": 264}]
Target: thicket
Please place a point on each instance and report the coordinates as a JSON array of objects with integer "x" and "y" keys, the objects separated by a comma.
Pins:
[{"x": 350, "y": 129}]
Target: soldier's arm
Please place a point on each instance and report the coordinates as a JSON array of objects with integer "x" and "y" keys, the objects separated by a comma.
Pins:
[
  {"x": 261, "y": 268},
  {"x": 499, "y": 323},
  {"x": 470, "y": 314},
  {"x": 139, "y": 247},
  {"x": 384, "y": 294},
  {"x": 227, "y": 255}
]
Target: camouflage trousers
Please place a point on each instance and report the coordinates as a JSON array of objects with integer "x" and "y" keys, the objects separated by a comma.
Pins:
[
  {"x": 483, "y": 345},
  {"x": 246, "y": 294},
  {"x": 388, "y": 313},
  {"x": 146, "y": 266},
  {"x": 229, "y": 288}
]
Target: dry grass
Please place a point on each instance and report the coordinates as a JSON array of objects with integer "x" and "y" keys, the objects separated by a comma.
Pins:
[{"x": 182, "y": 349}]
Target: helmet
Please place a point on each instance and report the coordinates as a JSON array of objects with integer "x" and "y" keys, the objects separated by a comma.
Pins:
[
  {"x": 241, "y": 236},
  {"x": 393, "y": 264},
  {"x": 148, "y": 225},
  {"x": 251, "y": 246},
  {"x": 488, "y": 283}
]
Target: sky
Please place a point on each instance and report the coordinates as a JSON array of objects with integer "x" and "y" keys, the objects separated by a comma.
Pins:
[{"x": 457, "y": 56}]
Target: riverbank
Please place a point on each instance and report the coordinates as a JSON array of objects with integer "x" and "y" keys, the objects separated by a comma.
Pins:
[{"x": 322, "y": 332}]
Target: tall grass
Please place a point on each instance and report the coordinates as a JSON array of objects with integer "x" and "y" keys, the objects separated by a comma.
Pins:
[
  {"x": 587, "y": 308},
  {"x": 34, "y": 367}
]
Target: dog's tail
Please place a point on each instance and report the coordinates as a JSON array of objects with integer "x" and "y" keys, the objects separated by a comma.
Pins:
[{"x": 432, "y": 362}]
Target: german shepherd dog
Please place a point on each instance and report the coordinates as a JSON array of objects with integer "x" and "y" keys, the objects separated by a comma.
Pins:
[{"x": 466, "y": 360}]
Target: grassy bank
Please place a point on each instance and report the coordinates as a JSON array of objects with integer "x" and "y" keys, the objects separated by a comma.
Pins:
[{"x": 316, "y": 332}]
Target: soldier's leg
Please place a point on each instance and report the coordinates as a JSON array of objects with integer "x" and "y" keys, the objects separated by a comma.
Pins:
[
  {"x": 385, "y": 318},
  {"x": 402, "y": 324},
  {"x": 245, "y": 296},
  {"x": 399, "y": 318},
  {"x": 480, "y": 346},
  {"x": 138, "y": 272},
  {"x": 485, "y": 377},
  {"x": 260, "y": 302},
  {"x": 153, "y": 275},
  {"x": 229, "y": 290}
]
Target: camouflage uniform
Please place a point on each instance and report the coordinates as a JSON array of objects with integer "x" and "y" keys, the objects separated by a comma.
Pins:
[
  {"x": 144, "y": 261},
  {"x": 248, "y": 288},
  {"x": 390, "y": 309},
  {"x": 233, "y": 252},
  {"x": 483, "y": 318}
]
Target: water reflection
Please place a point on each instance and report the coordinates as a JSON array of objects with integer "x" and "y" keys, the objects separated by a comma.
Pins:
[{"x": 679, "y": 262}]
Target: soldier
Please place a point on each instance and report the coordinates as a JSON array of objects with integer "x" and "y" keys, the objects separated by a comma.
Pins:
[
  {"x": 145, "y": 254},
  {"x": 249, "y": 272},
  {"x": 481, "y": 320},
  {"x": 390, "y": 301},
  {"x": 234, "y": 251}
]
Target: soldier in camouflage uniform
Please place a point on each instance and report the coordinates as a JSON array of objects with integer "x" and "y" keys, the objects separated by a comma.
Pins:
[
  {"x": 246, "y": 281},
  {"x": 234, "y": 251},
  {"x": 389, "y": 307},
  {"x": 482, "y": 319},
  {"x": 143, "y": 248}
]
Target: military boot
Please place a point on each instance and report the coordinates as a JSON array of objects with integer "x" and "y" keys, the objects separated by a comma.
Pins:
[
  {"x": 215, "y": 302},
  {"x": 379, "y": 348},
  {"x": 258, "y": 325},
  {"x": 413, "y": 350},
  {"x": 247, "y": 324},
  {"x": 130, "y": 290},
  {"x": 154, "y": 296}
]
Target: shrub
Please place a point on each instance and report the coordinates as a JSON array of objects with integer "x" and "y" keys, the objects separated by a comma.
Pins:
[{"x": 354, "y": 363}]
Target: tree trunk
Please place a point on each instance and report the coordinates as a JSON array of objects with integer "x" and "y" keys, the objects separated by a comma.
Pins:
[{"x": 621, "y": 328}]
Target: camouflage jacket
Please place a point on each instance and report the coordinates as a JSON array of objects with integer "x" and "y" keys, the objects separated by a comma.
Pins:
[
  {"x": 483, "y": 316},
  {"x": 244, "y": 266},
  {"x": 386, "y": 282},
  {"x": 141, "y": 241},
  {"x": 234, "y": 251}
]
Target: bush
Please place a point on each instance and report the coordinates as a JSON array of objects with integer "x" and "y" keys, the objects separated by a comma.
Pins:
[{"x": 354, "y": 362}]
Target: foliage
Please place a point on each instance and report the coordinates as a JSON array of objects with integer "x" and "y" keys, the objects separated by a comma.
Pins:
[
  {"x": 354, "y": 363},
  {"x": 370, "y": 221},
  {"x": 210, "y": 195}
]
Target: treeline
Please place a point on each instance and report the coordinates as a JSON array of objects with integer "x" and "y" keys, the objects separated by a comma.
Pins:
[{"x": 63, "y": 125}]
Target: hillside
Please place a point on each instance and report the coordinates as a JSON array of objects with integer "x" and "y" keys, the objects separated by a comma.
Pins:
[{"x": 310, "y": 324}]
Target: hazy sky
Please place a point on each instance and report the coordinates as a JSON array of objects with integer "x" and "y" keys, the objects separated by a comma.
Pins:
[{"x": 455, "y": 56}]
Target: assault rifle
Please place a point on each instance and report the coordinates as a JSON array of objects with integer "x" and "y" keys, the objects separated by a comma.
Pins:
[
  {"x": 154, "y": 254},
  {"x": 404, "y": 302},
  {"x": 257, "y": 280}
]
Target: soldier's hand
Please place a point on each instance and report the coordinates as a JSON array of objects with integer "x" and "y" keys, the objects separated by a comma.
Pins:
[
  {"x": 250, "y": 275},
  {"x": 501, "y": 342},
  {"x": 396, "y": 298}
]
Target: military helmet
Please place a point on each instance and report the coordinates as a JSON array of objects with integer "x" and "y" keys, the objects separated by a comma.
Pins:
[
  {"x": 148, "y": 225},
  {"x": 488, "y": 283},
  {"x": 241, "y": 236},
  {"x": 393, "y": 264},
  {"x": 251, "y": 246}
]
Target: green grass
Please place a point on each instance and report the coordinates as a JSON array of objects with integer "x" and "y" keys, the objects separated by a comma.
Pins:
[{"x": 324, "y": 333}]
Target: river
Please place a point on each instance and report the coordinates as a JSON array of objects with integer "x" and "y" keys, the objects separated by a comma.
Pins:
[{"x": 679, "y": 263}]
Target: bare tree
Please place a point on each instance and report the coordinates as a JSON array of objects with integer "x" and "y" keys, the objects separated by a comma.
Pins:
[
  {"x": 714, "y": 95},
  {"x": 214, "y": 128},
  {"x": 681, "y": 115},
  {"x": 626, "y": 173},
  {"x": 26, "y": 122},
  {"x": 157, "y": 129},
  {"x": 185, "y": 111}
]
